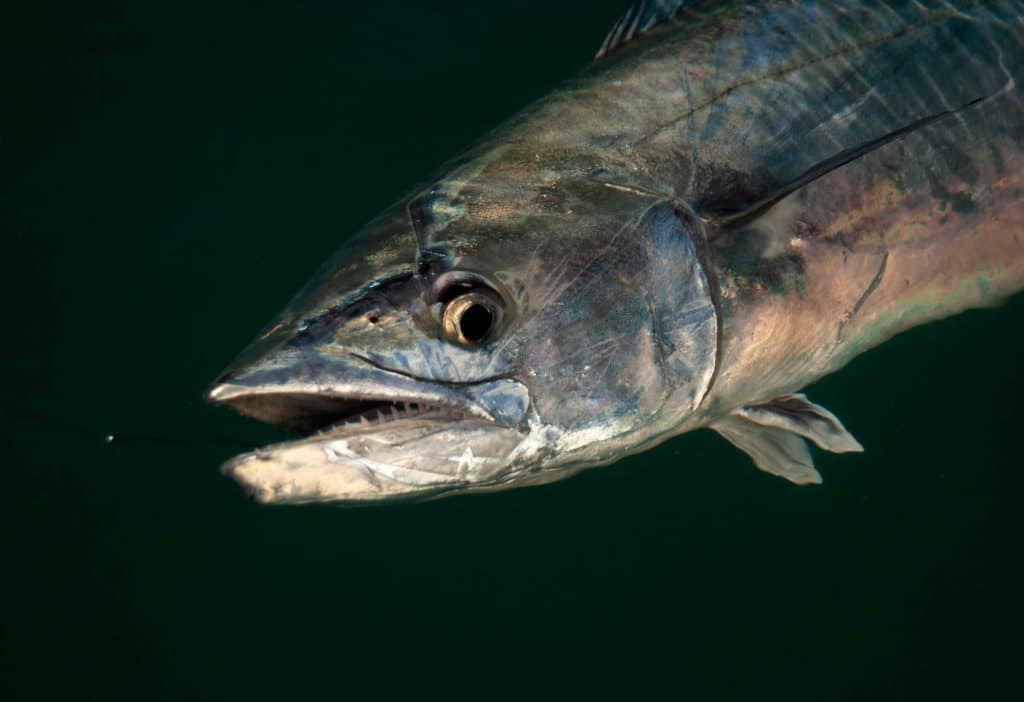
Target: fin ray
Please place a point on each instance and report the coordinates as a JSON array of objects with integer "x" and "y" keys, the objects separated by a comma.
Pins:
[
  {"x": 772, "y": 450},
  {"x": 641, "y": 16},
  {"x": 796, "y": 414},
  {"x": 772, "y": 434}
]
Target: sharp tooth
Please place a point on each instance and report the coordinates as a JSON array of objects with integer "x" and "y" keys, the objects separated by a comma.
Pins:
[
  {"x": 363, "y": 421},
  {"x": 380, "y": 417},
  {"x": 394, "y": 413}
]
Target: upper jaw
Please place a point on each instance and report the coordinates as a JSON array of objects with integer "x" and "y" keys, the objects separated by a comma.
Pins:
[
  {"x": 304, "y": 390},
  {"x": 370, "y": 434}
]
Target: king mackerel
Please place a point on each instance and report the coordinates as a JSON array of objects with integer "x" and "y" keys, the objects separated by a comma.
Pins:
[{"x": 734, "y": 200}]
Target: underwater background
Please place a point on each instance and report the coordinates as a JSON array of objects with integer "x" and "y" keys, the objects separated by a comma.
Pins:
[{"x": 171, "y": 173}]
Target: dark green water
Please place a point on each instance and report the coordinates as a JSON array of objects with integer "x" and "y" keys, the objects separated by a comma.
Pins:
[{"x": 170, "y": 173}]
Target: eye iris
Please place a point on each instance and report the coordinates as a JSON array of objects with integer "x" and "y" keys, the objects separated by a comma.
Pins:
[
  {"x": 475, "y": 322},
  {"x": 472, "y": 317}
]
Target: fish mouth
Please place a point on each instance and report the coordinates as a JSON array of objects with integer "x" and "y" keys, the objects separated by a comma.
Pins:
[
  {"x": 319, "y": 413},
  {"x": 366, "y": 434}
]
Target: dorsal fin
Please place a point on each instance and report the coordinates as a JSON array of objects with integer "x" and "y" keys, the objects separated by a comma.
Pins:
[{"x": 641, "y": 16}]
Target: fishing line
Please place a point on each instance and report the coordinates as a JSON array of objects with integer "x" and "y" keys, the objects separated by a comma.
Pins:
[
  {"x": 111, "y": 439},
  {"x": 63, "y": 425}
]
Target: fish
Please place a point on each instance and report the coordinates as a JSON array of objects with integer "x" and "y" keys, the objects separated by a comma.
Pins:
[{"x": 730, "y": 202}]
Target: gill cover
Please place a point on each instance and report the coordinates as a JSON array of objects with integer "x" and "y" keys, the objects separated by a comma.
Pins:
[{"x": 618, "y": 332}]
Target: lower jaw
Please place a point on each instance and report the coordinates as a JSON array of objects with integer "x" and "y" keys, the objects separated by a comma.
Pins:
[{"x": 418, "y": 457}]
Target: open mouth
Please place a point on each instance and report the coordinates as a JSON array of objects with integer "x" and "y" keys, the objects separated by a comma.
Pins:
[
  {"x": 370, "y": 435},
  {"x": 313, "y": 414}
]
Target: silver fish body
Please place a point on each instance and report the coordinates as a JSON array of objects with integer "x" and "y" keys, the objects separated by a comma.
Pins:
[{"x": 731, "y": 202}]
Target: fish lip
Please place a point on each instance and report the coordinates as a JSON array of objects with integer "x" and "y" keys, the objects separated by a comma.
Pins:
[
  {"x": 315, "y": 410},
  {"x": 308, "y": 393},
  {"x": 393, "y": 485},
  {"x": 264, "y": 495}
]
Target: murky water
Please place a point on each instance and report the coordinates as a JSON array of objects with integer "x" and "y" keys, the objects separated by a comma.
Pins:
[{"x": 171, "y": 174}]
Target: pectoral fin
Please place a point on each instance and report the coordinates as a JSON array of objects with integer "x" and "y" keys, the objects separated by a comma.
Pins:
[
  {"x": 770, "y": 433},
  {"x": 774, "y": 451},
  {"x": 799, "y": 415}
]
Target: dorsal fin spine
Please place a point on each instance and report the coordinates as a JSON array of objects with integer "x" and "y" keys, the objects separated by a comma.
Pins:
[{"x": 642, "y": 16}]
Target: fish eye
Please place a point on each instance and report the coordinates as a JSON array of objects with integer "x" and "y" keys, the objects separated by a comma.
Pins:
[{"x": 471, "y": 317}]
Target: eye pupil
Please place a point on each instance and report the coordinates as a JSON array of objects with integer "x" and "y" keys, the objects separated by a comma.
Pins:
[
  {"x": 472, "y": 317},
  {"x": 475, "y": 322}
]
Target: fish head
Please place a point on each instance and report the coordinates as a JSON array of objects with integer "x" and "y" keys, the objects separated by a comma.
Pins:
[{"x": 474, "y": 339}]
